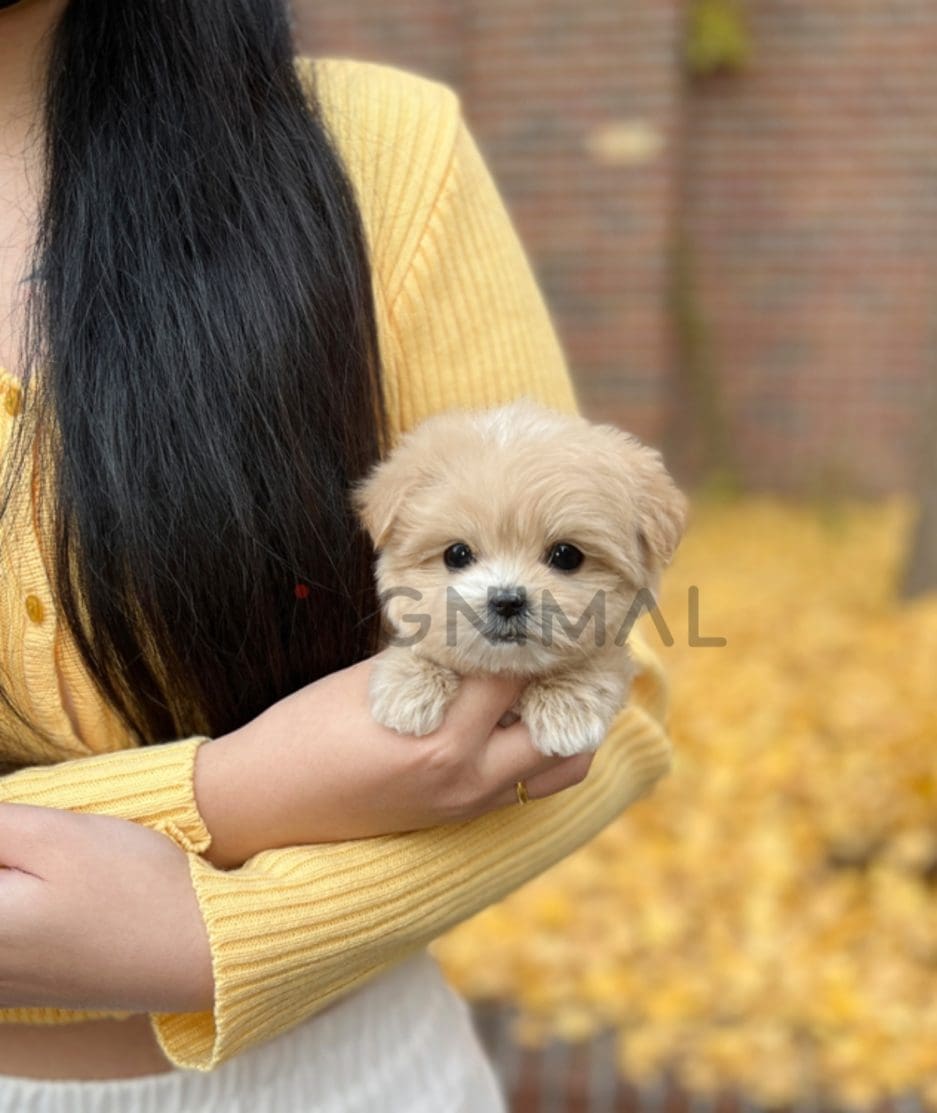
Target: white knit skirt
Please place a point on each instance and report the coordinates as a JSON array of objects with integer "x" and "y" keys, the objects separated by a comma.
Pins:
[{"x": 404, "y": 1043}]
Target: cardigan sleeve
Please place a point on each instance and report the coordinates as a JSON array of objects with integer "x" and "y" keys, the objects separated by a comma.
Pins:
[{"x": 296, "y": 928}]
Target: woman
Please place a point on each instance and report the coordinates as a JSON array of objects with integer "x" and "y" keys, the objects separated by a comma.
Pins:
[{"x": 229, "y": 279}]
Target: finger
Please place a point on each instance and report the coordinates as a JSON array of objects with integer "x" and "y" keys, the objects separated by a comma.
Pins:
[
  {"x": 509, "y": 756},
  {"x": 480, "y": 702},
  {"x": 568, "y": 772}
]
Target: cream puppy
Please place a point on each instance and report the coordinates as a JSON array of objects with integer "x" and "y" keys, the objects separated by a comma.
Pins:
[{"x": 516, "y": 540}]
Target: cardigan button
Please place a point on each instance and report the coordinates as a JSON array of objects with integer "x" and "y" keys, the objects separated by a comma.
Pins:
[
  {"x": 34, "y": 608},
  {"x": 11, "y": 399}
]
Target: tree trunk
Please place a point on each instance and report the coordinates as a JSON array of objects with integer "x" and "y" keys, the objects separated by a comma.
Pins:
[{"x": 921, "y": 571}]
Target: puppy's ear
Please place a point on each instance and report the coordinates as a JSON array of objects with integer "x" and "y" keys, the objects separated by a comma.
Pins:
[
  {"x": 661, "y": 506},
  {"x": 377, "y": 500},
  {"x": 380, "y": 496}
]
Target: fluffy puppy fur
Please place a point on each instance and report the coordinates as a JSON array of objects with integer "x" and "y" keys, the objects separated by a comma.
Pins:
[{"x": 516, "y": 540}]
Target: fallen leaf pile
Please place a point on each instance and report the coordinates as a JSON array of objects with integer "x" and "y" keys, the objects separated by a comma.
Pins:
[{"x": 767, "y": 919}]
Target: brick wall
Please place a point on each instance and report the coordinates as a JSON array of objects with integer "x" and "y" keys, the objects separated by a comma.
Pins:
[
  {"x": 574, "y": 106},
  {"x": 812, "y": 200},
  {"x": 804, "y": 186}
]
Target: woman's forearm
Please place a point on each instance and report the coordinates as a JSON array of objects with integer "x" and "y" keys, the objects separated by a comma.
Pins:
[
  {"x": 250, "y": 793},
  {"x": 97, "y": 914},
  {"x": 315, "y": 767}
]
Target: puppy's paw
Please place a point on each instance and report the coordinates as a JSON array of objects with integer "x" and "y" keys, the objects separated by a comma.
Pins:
[
  {"x": 561, "y": 724},
  {"x": 409, "y": 694}
]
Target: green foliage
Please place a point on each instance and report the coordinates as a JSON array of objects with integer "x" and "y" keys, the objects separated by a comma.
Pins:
[{"x": 717, "y": 38}]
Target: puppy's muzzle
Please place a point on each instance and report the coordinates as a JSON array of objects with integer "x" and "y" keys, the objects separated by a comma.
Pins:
[{"x": 508, "y": 602}]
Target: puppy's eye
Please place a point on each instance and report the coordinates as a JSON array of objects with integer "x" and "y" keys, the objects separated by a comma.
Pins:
[
  {"x": 564, "y": 557},
  {"x": 458, "y": 555}
]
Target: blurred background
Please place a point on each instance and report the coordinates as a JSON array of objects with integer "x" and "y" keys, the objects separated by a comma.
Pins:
[{"x": 731, "y": 208}]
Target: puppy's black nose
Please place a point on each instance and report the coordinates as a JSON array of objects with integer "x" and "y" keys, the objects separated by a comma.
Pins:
[{"x": 507, "y": 602}]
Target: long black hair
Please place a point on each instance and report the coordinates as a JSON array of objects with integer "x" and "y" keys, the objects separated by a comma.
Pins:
[{"x": 202, "y": 320}]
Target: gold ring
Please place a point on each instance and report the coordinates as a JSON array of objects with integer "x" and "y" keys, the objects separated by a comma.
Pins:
[{"x": 521, "y": 789}]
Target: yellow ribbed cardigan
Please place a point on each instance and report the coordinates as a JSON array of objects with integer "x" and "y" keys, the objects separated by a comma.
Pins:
[{"x": 461, "y": 323}]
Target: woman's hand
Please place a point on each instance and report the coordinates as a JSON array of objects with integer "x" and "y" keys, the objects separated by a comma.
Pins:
[
  {"x": 97, "y": 913},
  {"x": 316, "y": 767}
]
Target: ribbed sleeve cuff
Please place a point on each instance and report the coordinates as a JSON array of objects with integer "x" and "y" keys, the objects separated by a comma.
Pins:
[
  {"x": 298, "y": 927},
  {"x": 151, "y": 785}
]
